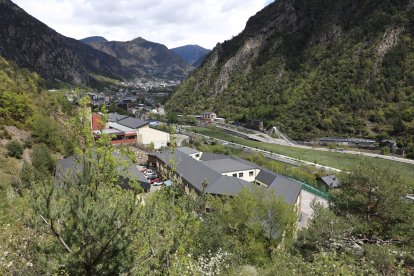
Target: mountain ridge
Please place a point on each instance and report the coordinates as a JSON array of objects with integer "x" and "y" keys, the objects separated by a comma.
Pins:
[
  {"x": 314, "y": 69},
  {"x": 33, "y": 45},
  {"x": 146, "y": 58},
  {"x": 91, "y": 39},
  {"x": 193, "y": 54}
]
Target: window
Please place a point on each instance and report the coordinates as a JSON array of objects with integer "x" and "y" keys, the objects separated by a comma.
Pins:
[
  {"x": 251, "y": 173},
  {"x": 240, "y": 174},
  {"x": 197, "y": 155},
  {"x": 234, "y": 174}
]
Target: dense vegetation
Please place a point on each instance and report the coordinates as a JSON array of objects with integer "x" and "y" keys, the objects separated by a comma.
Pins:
[
  {"x": 85, "y": 224},
  {"x": 322, "y": 69}
]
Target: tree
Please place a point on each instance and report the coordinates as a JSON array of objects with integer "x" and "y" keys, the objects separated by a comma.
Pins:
[
  {"x": 376, "y": 197},
  {"x": 15, "y": 149},
  {"x": 42, "y": 160},
  {"x": 90, "y": 220},
  {"x": 45, "y": 130},
  {"x": 252, "y": 226}
]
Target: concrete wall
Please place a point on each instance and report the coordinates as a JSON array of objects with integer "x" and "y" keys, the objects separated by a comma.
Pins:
[
  {"x": 246, "y": 174},
  {"x": 147, "y": 135}
]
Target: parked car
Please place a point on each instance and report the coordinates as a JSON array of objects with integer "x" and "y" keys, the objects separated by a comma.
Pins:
[
  {"x": 152, "y": 181},
  {"x": 158, "y": 183},
  {"x": 152, "y": 176},
  {"x": 149, "y": 172}
]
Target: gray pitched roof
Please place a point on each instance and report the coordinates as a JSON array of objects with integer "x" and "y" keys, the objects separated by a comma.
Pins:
[
  {"x": 266, "y": 177},
  {"x": 195, "y": 172},
  {"x": 115, "y": 117},
  {"x": 132, "y": 122},
  {"x": 208, "y": 156},
  {"x": 187, "y": 150},
  {"x": 288, "y": 188},
  {"x": 331, "y": 181}
]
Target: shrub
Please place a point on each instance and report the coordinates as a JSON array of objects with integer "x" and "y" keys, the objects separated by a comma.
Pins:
[
  {"x": 15, "y": 149},
  {"x": 46, "y": 130}
]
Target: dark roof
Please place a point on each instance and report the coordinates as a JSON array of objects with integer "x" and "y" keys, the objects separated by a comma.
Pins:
[
  {"x": 266, "y": 177},
  {"x": 348, "y": 140},
  {"x": 288, "y": 188},
  {"x": 132, "y": 122},
  {"x": 115, "y": 117},
  {"x": 208, "y": 113},
  {"x": 208, "y": 156},
  {"x": 187, "y": 150},
  {"x": 71, "y": 166},
  {"x": 331, "y": 181},
  {"x": 195, "y": 172}
]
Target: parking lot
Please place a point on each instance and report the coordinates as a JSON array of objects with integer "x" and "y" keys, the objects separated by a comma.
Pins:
[{"x": 153, "y": 187}]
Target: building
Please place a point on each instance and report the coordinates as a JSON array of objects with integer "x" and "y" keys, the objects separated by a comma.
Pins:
[
  {"x": 329, "y": 182},
  {"x": 224, "y": 175},
  {"x": 254, "y": 124},
  {"x": 355, "y": 142},
  {"x": 209, "y": 117},
  {"x": 71, "y": 166},
  {"x": 125, "y": 130}
]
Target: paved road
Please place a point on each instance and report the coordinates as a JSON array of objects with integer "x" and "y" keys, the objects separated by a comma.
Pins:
[{"x": 306, "y": 211}]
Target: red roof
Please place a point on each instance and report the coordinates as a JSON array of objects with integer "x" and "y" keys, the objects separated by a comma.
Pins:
[{"x": 96, "y": 122}]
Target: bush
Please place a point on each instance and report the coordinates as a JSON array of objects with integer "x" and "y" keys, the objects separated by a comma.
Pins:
[
  {"x": 15, "y": 149},
  {"x": 46, "y": 130},
  {"x": 28, "y": 143},
  {"x": 42, "y": 160}
]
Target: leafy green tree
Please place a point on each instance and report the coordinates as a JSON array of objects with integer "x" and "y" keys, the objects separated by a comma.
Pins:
[
  {"x": 169, "y": 225},
  {"x": 45, "y": 130},
  {"x": 90, "y": 220},
  {"x": 42, "y": 161},
  {"x": 252, "y": 226},
  {"x": 376, "y": 197},
  {"x": 15, "y": 149}
]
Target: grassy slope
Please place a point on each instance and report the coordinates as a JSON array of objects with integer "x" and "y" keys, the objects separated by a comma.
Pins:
[{"x": 333, "y": 159}]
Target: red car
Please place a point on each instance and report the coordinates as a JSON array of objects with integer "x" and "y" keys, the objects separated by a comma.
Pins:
[{"x": 155, "y": 180}]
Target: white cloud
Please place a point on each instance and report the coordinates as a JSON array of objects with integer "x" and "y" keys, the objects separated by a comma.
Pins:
[{"x": 171, "y": 22}]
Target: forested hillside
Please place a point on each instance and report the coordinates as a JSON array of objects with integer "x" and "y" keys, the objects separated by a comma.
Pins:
[
  {"x": 314, "y": 68},
  {"x": 31, "y": 44}
]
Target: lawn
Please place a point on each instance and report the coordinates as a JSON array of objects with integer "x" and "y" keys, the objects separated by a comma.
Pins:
[{"x": 332, "y": 159}]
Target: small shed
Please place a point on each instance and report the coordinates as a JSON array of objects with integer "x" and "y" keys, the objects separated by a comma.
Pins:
[{"x": 330, "y": 182}]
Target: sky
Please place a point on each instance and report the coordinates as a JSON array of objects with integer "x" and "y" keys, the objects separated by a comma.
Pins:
[{"x": 170, "y": 22}]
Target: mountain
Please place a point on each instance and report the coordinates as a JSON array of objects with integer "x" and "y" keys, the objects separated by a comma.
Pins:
[
  {"x": 146, "y": 58},
  {"x": 193, "y": 54},
  {"x": 93, "y": 39},
  {"x": 314, "y": 68},
  {"x": 31, "y": 44}
]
